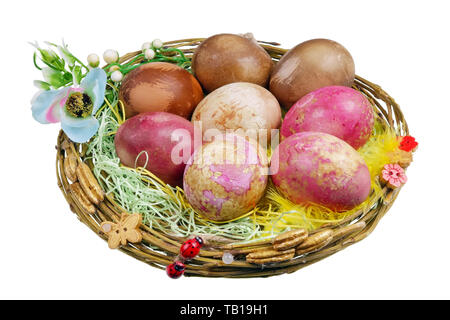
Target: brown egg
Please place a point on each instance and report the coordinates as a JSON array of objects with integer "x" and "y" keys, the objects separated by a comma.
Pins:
[
  {"x": 160, "y": 86},
  {"x": 309, "y": 66},
  {"x": 227, "y": 58}
]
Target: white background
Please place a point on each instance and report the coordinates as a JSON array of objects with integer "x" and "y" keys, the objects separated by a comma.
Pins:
[{"x": 401, "y": 45}]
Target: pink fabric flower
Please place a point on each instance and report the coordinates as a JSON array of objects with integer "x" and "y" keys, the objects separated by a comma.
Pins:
[
  {"x": 50, "y": 106},
  {"x": 393, "y": 175}
]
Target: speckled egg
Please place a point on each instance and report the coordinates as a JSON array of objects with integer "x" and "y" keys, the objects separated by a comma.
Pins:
[
  {"x": 160, "y": 86},
  {"x": 240, "y": 106},
  {"x": 226, "y": 178},
  {"x": 316, "y": 167},
  {"x": 337, "y": 110}
]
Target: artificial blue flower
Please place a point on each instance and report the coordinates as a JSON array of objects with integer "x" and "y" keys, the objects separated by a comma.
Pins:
[{"x": 73, "y": 106}]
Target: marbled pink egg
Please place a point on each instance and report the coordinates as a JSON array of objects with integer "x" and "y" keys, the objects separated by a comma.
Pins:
[
  {"x": 340, "y": 111},
  {"x": 315, "y": 167},
  {"x": 160, "y": 141},
  {"x": 226, "y": 178}
]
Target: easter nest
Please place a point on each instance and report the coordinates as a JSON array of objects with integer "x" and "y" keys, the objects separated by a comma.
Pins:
[{"x": 260, "y": 242}]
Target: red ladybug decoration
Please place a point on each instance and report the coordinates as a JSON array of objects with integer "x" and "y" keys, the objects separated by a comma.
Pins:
[
  {"x": 191, "y": 248},
  {"x": 175, "y": 270}
]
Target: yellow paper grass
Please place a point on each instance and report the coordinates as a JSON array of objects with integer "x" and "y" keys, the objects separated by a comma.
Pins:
[{"x": 281, "y": 214}]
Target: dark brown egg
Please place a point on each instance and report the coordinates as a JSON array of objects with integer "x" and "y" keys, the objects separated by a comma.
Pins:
[
  {"x": 309, "y": 66},
  {"x": 160, "y": 86},
  {"x": 227, "y": 58}
]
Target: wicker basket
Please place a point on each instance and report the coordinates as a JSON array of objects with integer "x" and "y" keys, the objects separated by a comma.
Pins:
[{"x": 158, "y": 249}]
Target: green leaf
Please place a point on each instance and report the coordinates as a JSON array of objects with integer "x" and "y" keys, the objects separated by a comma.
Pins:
[
  {"x": 67, "y": 56},
  {"x": 41, "y": 85},
  {"x": 77, "y": 74},
  {"x": 68, "y": 76},
  {"x": 60, "y": 63},
  {"x": 53, "y": 77},
  {"x": 48, "y": 55}
]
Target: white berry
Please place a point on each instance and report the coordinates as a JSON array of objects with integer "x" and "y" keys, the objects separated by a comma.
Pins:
[
  {"x": 145, "y": 46},
  {"x": 110, "y": 56},
  {"x": 157, "y": 43},
  {"x": 116, "y": 76},
  {"x": 227, "y": 258},
  {"x": 93, "y": 60},
  {"x": 149, "y": 54}
]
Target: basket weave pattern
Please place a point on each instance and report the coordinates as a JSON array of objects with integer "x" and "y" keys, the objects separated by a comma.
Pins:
[{"x": 159, "y": 249}]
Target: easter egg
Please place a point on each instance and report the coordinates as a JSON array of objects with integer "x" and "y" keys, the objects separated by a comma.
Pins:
[
  {"x": 239, "y": 106},
  {"x": 337, "y": 110},
  {"x": 159, "y": 141},
  {"x": 318, "y": 168},
  {"x": 309, "y": 66},
  {"x": 160, "y": 86},
  {"x": 226, "y": 177},
  {"x": 226, "y": 58}
]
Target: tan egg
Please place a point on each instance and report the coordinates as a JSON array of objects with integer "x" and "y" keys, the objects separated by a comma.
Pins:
[
  {"x": 227, "y": 58},
  {"x": 160, "y": 86},
  {"x": 309, "y": 66},
  {"x": 239, "y": 106}
]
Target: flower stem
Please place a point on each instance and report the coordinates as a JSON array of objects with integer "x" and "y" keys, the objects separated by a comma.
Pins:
[
  {"x": 35, "y": 63},
  {"x": 81, "y": 63}
]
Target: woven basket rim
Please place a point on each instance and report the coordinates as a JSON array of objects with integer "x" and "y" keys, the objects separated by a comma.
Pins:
[{"x": 158, "y": 249}]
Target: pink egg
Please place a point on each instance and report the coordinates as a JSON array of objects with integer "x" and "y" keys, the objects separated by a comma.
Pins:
[
  {"x": 162, "y": 142},
  {"x": 315, "y": 167},
  {"x": 340, "y": 111},
  {"x": 226, "y": 178}
]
